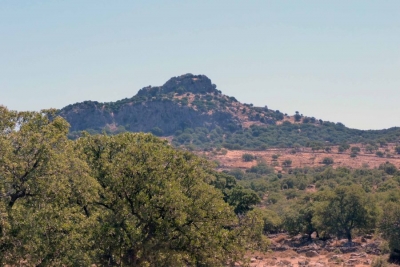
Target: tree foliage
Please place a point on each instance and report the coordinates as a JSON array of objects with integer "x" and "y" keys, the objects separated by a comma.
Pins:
[
  {"x": 390, "y": 227},
  {"x": 346, "y": 208},
  {"x": 126, "y": 200}
]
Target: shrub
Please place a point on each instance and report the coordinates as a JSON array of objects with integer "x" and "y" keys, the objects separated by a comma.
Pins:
[
  {"x": 248, "y": 157},
  {"x": 287, "y": 163},
  {"x": 275, "y": 157},
  {"x": 327, "y": 161}
]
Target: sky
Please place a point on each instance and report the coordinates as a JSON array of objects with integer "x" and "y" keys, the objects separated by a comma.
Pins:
[{"x": 335, "y": 60}]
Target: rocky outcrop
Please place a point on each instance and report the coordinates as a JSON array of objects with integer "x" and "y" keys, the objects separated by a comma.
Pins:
[
  {"x": 186, "y": 101},
  {"x": 148, "y": 110}
]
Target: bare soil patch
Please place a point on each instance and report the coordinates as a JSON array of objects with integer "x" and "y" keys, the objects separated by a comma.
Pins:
[
  {"x": 296, "y": 251},
  {"x": 305, "y": 157}
]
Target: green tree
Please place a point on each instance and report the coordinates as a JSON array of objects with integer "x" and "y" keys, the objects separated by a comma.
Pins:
[
  {"x": 344, "y": 209},
  {"x": 388, "y": 167},
  {"x": 370, "y": 149},
  {"x": 157, "y": 207},
  {"x": 246, "y": 157},
  {"x": 287, "y": 163},
  {"x": 275, "y": 157},
  {"x": 390, "y": 227},
  {"x": 327, "y": 161},
  {"x": 297, "y": 116},
  {"x": 298, "y": 218},
  {"x": 45, "y": 192},
  {"x": 343, "y": 147}
]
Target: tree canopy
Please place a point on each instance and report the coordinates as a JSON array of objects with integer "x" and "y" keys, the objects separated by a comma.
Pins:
[{"x": 126, "y": 200}]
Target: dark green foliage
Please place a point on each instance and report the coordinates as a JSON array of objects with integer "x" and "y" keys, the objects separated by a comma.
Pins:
[
  {"x": 343, "y": 209},
  {"x": 121, "y": 200},
  {"x": 246, "y": 157},
  {"x": 261, "y": 168},
  {"x": 287, "y": 163},
  {"x": 390, "y": 228},
  {"x": 343, "y": 147},
  {"x": 297, "y": 116},
  {"x": 287, "y": 135},
  {"x": 389, "y": 168},
  {"x": 327, "y": 161}
]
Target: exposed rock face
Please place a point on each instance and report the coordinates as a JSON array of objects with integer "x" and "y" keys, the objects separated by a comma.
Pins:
[{"x": 187, "y": 101}]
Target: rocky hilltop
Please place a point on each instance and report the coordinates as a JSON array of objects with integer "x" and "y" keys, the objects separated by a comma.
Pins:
[
  {"x": 191, "y": 110},
  {"x": 187, "y": 101}
]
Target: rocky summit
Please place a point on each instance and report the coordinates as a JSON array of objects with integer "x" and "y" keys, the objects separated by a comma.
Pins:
[{"x": 187, "y": 101}]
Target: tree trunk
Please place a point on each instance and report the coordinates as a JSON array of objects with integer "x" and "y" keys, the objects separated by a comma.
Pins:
[{"x": 348, "y": 235}]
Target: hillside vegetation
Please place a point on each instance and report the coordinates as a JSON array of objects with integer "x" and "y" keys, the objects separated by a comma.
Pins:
[
  {"x": 133, "y": 200},
  {"x": 190, "y": 110}
]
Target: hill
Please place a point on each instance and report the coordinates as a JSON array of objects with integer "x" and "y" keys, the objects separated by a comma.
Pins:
[{"x": 192, "y": 112}]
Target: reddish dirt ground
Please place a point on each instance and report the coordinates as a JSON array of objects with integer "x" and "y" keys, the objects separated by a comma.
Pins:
[
  {"x": 318, "y": 253},
  {"x": 305, "y": 157}
]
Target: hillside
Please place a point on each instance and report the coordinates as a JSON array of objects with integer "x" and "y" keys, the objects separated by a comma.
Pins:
[
  {"x": 187, "y": 101},
  {"x": 286, "y": 159},
  {"x": 192, "y": 112}
]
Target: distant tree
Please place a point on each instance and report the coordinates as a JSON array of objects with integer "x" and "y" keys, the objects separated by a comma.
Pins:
[
  {"x": 315, "y": 146},
  {"x": 287, "y": 163},
  {"x": 261, "y": 168},
  {"x": 275, "y": 157},
  {"x": 343, "y": 147},
  {"x": 382, "y": 143},
  {"x": 355, "y": 149},
  {"x": 344, "y": 209},
  {"x": 388, "y": 167},
  {"x": 397, "y": 149},
  {"x": 327, "y": 161},
  {"x": 297, "y": 116},
  {"x": 379, "y": 154},
  {"x": 246, "y": 157},
  {"x": 370, "y": 149}
]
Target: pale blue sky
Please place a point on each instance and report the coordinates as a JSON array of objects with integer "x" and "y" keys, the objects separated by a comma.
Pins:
[{"x": 335, "y": 60}]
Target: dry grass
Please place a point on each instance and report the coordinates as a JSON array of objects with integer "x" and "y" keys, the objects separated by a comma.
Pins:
[{"x": 305, "y": 157}]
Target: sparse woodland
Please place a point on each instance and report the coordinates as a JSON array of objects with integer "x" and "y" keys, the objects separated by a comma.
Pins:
[{"x": 133, "y": 200}]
